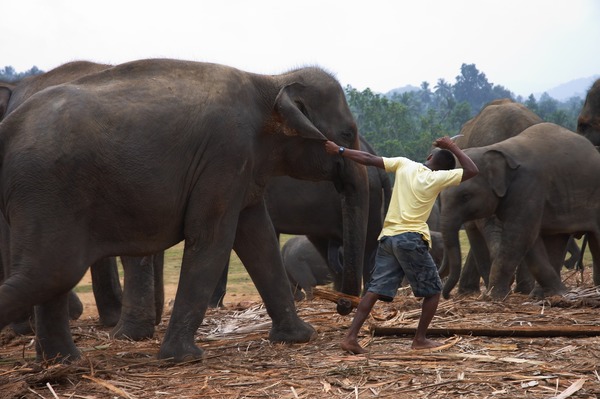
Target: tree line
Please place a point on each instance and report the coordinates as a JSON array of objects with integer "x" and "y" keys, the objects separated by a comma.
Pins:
[{"x": 405, "y": 124}]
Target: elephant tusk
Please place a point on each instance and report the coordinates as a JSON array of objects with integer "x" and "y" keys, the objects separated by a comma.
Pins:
[{"x": 453, "y": 138}]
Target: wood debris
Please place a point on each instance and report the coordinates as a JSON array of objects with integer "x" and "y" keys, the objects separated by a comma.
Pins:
[{"x": 240, "y": 362}]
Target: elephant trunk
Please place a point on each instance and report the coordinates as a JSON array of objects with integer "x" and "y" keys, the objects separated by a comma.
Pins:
[
  {"x": 452, "y": 258},
  {"x": 355, "y": 198}
]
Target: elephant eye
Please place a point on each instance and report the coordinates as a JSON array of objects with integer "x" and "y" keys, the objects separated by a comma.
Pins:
[{"x": 348, "y": 135}]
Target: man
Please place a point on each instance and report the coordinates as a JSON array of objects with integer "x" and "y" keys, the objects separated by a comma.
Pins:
[{"x": 404, "y": 241}]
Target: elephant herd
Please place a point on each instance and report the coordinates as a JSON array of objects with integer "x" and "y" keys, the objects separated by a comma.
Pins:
[{"x": 98, "y": 161}]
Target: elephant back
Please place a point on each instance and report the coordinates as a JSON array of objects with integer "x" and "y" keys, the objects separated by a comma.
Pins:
[{"x": 497, "y": 121}]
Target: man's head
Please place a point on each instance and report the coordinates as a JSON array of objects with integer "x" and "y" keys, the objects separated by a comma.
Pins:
[{"x": 440, "y": 159}]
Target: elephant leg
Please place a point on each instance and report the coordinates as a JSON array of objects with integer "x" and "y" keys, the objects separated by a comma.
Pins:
[
  {"x": 257, "y": 246},
  {"x": 512, "y": 249},
  {"x": 574, "y": 253},
  {"x": 469, "y": 277},
  {"x": 26, "y": 326},
  {"x": 544, "y": 272},
  {"x": 594, "y": 243},
  {"x": 138, "y": 313},
  {"x": 209, "y": 235},
  {"x": 158, "y": 263},
  {"x": 52, "y": 323},
  {"x": 107, "y": 290},
  {"x": 216, "y": 300},
  {"x": 525, "y": 282}
]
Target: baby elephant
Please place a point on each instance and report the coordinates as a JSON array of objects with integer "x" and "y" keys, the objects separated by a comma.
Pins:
[{"x": 305, "y": 267}]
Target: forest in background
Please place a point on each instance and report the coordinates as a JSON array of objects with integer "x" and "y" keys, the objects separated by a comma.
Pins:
[{"x": 405, "y": 124}]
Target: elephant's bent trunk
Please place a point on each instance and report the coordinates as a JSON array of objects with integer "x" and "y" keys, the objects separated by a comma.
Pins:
[{"x": 452, "y": 260}]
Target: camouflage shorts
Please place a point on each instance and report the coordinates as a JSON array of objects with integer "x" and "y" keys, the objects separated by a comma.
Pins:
[{"x": 404, "y": 255}]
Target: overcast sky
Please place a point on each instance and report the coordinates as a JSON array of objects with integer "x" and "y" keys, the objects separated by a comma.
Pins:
[{"x": 528, "y": 46}]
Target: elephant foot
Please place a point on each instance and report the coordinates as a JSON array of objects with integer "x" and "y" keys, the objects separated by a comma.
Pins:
[
  {"x": 299, "y": 332},
  {"x": 299, "y": 295},
  {"x": 109, "y": 317},
  {"x": 56, "y": 352},
  {"x": 133, "y": 331},
  {"x": 538, "y": 292},
  {"x": 468, "y": 291},
  {"x": 496, "y": 294},
  {"x": 179, "y": 352}
]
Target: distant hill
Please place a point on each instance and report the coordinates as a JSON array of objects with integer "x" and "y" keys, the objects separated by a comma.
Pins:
[
  {"x": 401, "y": 90},
  {"x": 574, "y": 88}
]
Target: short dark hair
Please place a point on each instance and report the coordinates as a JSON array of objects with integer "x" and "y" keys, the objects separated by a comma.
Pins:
[{"x": 444, "y": 159}]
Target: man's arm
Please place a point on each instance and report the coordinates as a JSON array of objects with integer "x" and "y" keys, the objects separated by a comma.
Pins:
[
  {"x": 469, "y": 168},
  {"x": 361, "y": 157}
]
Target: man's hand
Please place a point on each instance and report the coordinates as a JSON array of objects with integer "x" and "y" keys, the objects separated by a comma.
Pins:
[
  {"x": 444, "y": 142},
  {"x": 332, "y": 148}
]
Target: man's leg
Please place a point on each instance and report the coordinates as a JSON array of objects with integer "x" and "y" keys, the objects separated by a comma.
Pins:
[
  {"x": 428, "y": 310},
  {"x": 350, "y": 342}
]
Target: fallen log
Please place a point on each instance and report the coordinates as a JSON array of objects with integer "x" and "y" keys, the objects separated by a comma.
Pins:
[
  {"x": 335, "y": 296},
  {"x": 517, "y": 331}
]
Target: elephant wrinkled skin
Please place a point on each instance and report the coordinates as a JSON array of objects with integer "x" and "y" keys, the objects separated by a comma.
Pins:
[
  {"x": 106, "y": 286},
  {"x": 138, "y": 157},
  {"x": 542, "y": 185}
]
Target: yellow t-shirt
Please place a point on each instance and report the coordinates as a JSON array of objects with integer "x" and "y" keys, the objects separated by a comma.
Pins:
[{"x": 416, "y": 188}]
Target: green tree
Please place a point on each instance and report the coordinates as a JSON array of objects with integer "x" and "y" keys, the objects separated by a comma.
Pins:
[{"x": 472, "y": 87}]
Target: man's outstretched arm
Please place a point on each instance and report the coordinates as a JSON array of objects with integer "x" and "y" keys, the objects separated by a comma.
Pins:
[{"x": 361, "y": 157}]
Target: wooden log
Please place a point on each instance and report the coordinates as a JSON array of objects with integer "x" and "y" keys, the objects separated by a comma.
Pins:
[
  {"x": 520, "y": 331},
  {"x": 335, "y": 296}
]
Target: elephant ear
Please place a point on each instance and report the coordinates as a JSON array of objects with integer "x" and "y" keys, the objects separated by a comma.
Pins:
[
  {"x": 290, "y": 113},
  {"x": 498, "y": 169},
  {"x": 5, "y": 94}
]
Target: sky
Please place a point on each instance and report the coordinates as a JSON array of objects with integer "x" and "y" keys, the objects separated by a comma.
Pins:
[{"x": 527, "y": 46}]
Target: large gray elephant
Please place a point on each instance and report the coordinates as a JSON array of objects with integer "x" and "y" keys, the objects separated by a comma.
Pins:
[
  {"x": 136, "y": 310},
  {"x": 140, "y": 156},
  {"x": 588, "y": 122},
  {"x": 104, "y": 272},
  {"x": 498, "y": 120},
  {"x": 542, "y": 185}
]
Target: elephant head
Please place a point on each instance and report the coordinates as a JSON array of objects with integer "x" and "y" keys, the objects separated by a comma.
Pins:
[
  {"x": 476, "y": 198},
  {"x": 313, "y": 112},
  {"x": 588, "y": 122}
]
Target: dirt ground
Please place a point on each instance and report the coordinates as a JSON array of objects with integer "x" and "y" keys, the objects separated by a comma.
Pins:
[{"x": 240, "y": 362}]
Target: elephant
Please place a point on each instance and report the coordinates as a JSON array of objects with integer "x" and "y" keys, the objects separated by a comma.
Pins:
[
  {"x": 13, "y": 94},
  {"x": 588, "y": 122},
  {"x": 541, "y": 185},
  {"x": 498, "y": 120},
  {"x": 138, "y": 157},
  {"x": 136, "y": 310},
  {"x": 304, "y": 266},
  {"x": 105, "y": 278}
]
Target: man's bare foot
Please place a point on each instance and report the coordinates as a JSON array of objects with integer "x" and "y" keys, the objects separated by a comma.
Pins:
[
  {"x": 425, "y": 344},
  {"x": 352, "y": 346}
]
